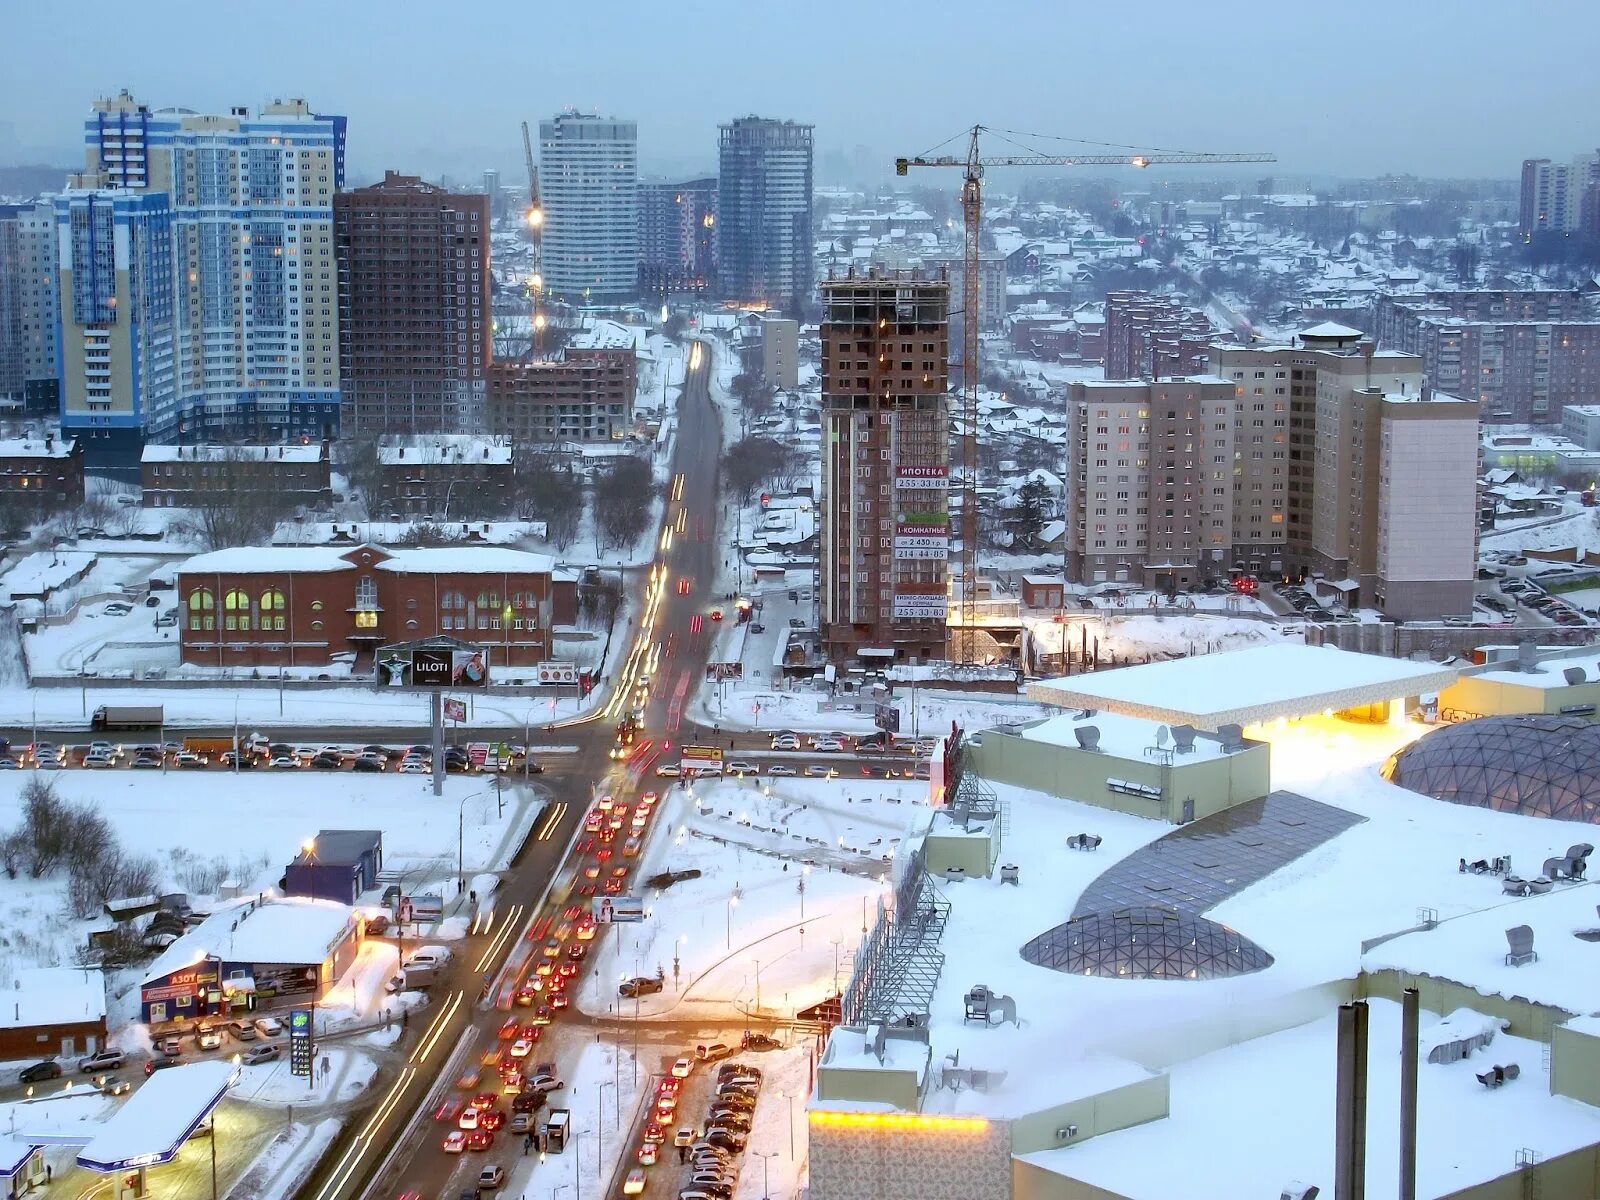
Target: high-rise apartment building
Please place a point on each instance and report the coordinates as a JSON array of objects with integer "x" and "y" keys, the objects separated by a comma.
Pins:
[
  {"x": 677, "y": 236},
  {"x": 585, "y": 396},
  {"x": 1521, "y": 355},
  {"x": 414, "y": 317},
  {"x": 491, "y": 189},
  {"x": 885, "y": 534},
  {"x": 1149, "y": 336},
  {"x": 991, "y": 292},
  {"x": 29, "y": 307},
  {"x": 1368, "y": 476},
  {"x": 588, "y": 181},
  {"x": 1553, "y": 192},
  {"x": 118, "y": 320},
  {"x": 764, "y": 185},
  {"x": 255, "y": 337}
]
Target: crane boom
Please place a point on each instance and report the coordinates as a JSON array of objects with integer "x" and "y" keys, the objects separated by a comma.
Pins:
[{"x": 972, "y": 223}]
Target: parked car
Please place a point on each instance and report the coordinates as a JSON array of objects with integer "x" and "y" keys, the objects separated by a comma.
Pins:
[
  {"x": 103, "y": 1060},
  {"x": 160, "y": 1064},
  {"x": 243, "y": 1030},
  {"x": 491, "y": 1177},
  {"x": 40, "y": 1071},
  {"x": 262, "y": 1054},
  {"x": 271, "y": 1026}
]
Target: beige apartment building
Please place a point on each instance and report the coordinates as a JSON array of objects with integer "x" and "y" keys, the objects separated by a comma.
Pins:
[{"x": 885, "y": 536}]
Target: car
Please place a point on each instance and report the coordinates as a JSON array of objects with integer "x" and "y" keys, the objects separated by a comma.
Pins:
[
  {"x": 96, "y": 759},
  {"x": 714, "y": 1051},
  {"x": 262, "y": 1054},
  {"x": 40, "y": 1071},
  {"x": 828, "y": 745},
  {"x": 207, "y": 1038},
  {"x": 649, "y": 1152},
  {"x": 491, "y": 1177},
  {"x": 716, "y": 1188},
  {"x": 545, "y": 1082},
  {"x": 491, "y": 1119},
  {"x": 369, "y": 765},
  {"x": 668, "y": 771},
  {"x": 820, "y": 771},
  {"x": 527, "y": 1102},
  {"x": 634, "y": 1183},
  {"x": 797, "y": 623},
  {"x": 684, "y": 586},
  {"x": 743, "y": 1072},
  {"x": 455, "y": 1142},
  {"x": 171, "y": 1045},
  {"x": 160, "y": 1064},
  {"x": 245, "y": 1031},
  {"x": 468, "y": 1120},
  {"x": 327, "y": 762},
  {"x": 415, "y": 767},
  {"x": 552, "y": 948},
  {"x": 271, "y": 1026},
  {"x": 665, "y": 1104},
  {"x": 9, "y": 764},
  {"x": 614, "y": 887},
  {"x": 729, "y": 1117},
  {"x": 757, "y": 627},
  {"x": 654, "y": 1133},
  {"x": 522, "y": 1047},
  {"x": 103, "y": 1060},
  {"x": 781, "y": 769},
  {"x": 521, "y": 1122},
  {"x": 725, "y": 1136},
  {"x": 716, "y": 614},
  {"x": 681, "y": 1067},
  {"x": 480, "y": 1139},
  {"x": 739, "y": 768},
  {"x": 567, "y": 970}
]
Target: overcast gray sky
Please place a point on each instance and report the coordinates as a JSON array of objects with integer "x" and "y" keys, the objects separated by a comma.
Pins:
[{"x": 1349, "y": 87}]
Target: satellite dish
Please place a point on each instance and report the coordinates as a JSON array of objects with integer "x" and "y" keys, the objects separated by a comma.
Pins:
[{"x": 1161, "y": 735}]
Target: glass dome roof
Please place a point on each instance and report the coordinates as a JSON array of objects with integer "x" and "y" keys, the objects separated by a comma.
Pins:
[
  {"x": 1146, "y": 943},
  {"x": 1538, "y": 765}
]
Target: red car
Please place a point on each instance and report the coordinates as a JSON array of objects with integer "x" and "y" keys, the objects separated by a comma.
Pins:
[
  {"x": 509, "y": 1029},
  {"x": 567, "y": 970},
  {"x": 559, "y": 1001},
  {"x": 716, "y": 614},
  {"x": 683, "y": 587},
  {"x": 614, "y": 887},
  {"x": 530, "y": 1031},
  {"x": 576, "y": 951},
  {"x": 491, "y": 1120},
  {"x": 484, "y": 1101},
  {"x": 480, "y": 1139},
  {"x": 654, "y": 1133}
]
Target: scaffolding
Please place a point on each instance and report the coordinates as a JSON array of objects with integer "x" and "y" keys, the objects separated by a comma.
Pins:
[{"x": 898, "y": 964}]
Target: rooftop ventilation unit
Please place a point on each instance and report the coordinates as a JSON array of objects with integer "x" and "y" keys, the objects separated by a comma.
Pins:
[{"x": 1088, "y": 737}]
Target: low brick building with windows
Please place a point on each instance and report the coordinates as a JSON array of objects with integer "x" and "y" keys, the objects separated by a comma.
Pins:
[
  {"x": 181, "y": 476},
  {"x": 300, "y": 605},
  {"x": 47, "y": 469},
  {"x": 444, "y": 476},
  {"x": 586, "y": 396}
]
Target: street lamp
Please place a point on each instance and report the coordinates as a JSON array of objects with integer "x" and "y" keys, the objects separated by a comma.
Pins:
[
  {"x": 765, "y": 1157},
  {"x": 461, "y": 840},
  {"x": 789, "y": 1096}
]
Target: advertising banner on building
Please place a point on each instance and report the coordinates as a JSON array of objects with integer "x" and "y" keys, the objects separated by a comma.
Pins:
[
  {"x": 913, "y": 541},
  {"x": 556, "y": 672},
  {"x": 614, "y": 910},
  {"x": 924, "y": 477},
  {"x": 919, "y": 606}
]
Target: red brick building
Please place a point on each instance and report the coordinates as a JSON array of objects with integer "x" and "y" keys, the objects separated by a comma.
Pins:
[
  {"x": 300, "y": 605},
  {"x": 48, "y": 469}
]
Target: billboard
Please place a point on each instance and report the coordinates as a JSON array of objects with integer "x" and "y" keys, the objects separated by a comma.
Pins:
[
  {"x": 556, "y": 672},
  {"x": 617, "y": 910},
  {"x": 701, "y": 754},
  {"x": 300, "y": 1042},
  {"x": 455, "y": 710},
  {"x": 422, "y": 666},
  {"x": 724, "y": 670},
  {"x": 886, "y": 717},
  {"x": 927, "y": 477},
  {"x": 921, "y": 541},
  {"x": 919, "y": 606}
]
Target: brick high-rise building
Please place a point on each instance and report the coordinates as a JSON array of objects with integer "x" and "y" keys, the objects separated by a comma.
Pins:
[
  {"x": 1148, "y": 337},
  {"x": 414, "y": 317},
  {"x": 585, "y": 396},
  {"x": 1521, "y": 355},
  {"x": 885, "y": 532},
  {"x": 677, "y": 237}
]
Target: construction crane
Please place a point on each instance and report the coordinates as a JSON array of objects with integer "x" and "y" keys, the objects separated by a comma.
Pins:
[
  {"x": 972, "y": 218},
  {"x": 536, "y": 319}
]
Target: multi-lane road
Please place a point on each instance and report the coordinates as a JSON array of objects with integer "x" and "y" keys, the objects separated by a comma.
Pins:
[{"x": 392, "y": 1144}]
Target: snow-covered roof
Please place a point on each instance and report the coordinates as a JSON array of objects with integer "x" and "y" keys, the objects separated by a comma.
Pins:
[
  {"x": 1470, "y": 949},
  {"x": 1121, "y": 737},
  {"x": 34, "y": 447},
  {"x": 442, "y": 449},
  {"x": 1331, "y": 329},
  {"x": 1466, "y": 1134},
  {"x": 52, "y": 996},
  {"x": 1246, "y": 686},
  {"x": 285, "y": 930},
  {"x": 287, "y": 453},
  {"x": 465, "y": 560},
  {"x": 159, "y": 1116}
]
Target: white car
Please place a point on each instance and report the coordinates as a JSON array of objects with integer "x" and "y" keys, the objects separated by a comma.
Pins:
[
  {"x": 521, "y": 1048},
  {"x": 668, "y": 771},
  {"x": 828, "y": 745},
  {"x": 285, "y": 762},
  {"x": 415, "y": 766},
  {"x": 634, "y": 1183},
  {"x": 819, "y": 771},
  {"x": 681, "y": 1068},
  {"x": 780, "y": 769},
  {"x": 96, "y": 758},
  {"x": 786, "y": 742},
  {"x": 741, "y": 769}
]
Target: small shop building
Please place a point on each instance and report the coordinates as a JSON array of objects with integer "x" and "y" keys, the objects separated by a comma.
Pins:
[
  {"x": 338, "y": 864},
  {"x": 45, "y": 1011},
  {"x": 253, "y": 955}
]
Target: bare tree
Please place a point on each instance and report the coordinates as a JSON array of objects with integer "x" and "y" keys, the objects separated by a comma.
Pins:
[
  {"x": 13, "y": 852},
  {"x": 44, "y": 824},
  {"x": 237, "y": 510},
  {"x": 622, "y": 501},
  {"x": 548, "y": 490}
]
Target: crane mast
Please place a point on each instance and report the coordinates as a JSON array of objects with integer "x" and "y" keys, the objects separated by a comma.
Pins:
[
  {"x": 536, "y": 319},
  {"x": 972, "y": 228}
]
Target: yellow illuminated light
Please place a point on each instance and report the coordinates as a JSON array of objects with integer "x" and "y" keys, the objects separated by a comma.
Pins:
[{"x": 896, "y": 1122}]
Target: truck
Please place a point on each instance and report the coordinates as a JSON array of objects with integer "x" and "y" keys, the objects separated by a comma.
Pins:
[
  {"x": 128, "y": 716},
  {"x": 208, "y": 747}
]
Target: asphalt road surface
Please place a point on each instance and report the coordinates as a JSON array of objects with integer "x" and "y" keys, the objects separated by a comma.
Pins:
[{"x": 393, "y": 1144}]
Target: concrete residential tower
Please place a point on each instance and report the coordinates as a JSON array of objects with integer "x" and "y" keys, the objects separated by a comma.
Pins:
[
  {"x": 588, "y": 179},
  {"x": 255, "y": 335},
  {"x": 885, "y": 467},
  {"x": 414, "y": 318},
  {"x": 764, "y": 251},
  {"x": 30, "y": 280}
]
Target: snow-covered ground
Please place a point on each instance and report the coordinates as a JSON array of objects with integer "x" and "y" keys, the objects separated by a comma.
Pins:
[
  {"x": 600, "y": 1095},
  {"x": 787, "y": 870}
]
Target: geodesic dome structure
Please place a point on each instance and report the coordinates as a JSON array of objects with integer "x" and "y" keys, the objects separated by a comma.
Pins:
[
  {"x": 1146, "y": 943},
  {"x": 1537, "y": 765}
]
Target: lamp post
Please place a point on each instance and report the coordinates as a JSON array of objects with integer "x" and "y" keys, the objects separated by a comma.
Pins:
[
  {"x": 600, "y": 1116},
  {"x": 461, "y": 840},
  {"x": 790, "y": 1098},
  {"x": 765, "y": 1156}
]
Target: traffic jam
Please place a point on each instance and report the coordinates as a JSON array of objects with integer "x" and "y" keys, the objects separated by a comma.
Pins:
[{"x": 258, "y": 752}]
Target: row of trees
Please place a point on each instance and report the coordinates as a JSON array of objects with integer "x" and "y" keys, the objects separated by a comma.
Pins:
[{"x": 759, "y": 462}]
